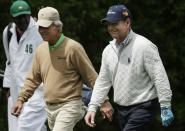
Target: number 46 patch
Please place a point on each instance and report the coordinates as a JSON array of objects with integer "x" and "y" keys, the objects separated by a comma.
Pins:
[{"x": 29, "y": 48}]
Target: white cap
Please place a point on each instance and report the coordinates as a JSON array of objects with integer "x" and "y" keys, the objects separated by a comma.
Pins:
[{"x": 47, "y": 16}]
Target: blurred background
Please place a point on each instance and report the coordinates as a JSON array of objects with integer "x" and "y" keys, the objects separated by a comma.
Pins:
[{"x": 161, "y": 21}]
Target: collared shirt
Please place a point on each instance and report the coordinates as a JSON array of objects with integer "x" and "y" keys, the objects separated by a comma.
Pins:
[
  {"x": 136, "y": 74},
  {"x": 119, "y": 46}
]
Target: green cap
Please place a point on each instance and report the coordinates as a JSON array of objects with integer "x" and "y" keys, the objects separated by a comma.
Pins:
[{"x": 19, "y": 7}]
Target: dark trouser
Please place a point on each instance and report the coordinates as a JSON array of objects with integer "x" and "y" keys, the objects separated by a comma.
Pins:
[{"x": 137, "y": 117}]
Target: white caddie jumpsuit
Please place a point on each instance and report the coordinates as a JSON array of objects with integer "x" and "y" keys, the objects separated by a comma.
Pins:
[{"x": 20, "y": 54}]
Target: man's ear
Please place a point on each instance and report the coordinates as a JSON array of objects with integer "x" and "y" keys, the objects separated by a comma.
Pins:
[{"x": 128, "y": 21}]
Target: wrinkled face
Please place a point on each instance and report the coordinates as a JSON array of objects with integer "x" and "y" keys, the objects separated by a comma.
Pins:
[
  {"x": 119, "y": 30},
  {"x": 22, "y": 22},
  {"x": 49, "y": 33}
]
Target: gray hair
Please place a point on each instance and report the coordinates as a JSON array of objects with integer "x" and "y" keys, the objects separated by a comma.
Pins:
[{"x": 58, "y": 24}]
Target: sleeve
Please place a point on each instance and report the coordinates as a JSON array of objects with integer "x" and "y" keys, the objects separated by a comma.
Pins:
[
  {"x": 33, "y": 80},
  {"x": 83, "y": 65},
  {"x": 7, "y": 81},
  {"x": 154, "y": 67},
  {"x": 102, "y": 86}
]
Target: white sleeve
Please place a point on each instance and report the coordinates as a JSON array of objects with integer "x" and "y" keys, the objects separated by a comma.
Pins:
[
  {"x": 155, "y": 69},
  {"x": 101, "y": 87},
  {"x": 7, "y": 74}
]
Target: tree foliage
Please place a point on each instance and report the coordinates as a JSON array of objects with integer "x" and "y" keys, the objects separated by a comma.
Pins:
[{"x": 161, "y": 21}]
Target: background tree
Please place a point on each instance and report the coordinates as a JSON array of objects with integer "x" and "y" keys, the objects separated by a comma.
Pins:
[{"x": 161, "y": 21}]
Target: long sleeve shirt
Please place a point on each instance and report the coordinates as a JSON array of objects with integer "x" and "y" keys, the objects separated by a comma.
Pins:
[
  {"x": 62, "y": 70},
  {"x": 135, "y": 71}
]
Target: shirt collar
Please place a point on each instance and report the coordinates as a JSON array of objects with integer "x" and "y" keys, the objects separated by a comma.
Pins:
[
  {"x": 58, "y": 43},
  {"x": 125, "y": 41}
]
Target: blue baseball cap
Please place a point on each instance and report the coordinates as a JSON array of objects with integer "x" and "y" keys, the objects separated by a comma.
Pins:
[{"x": 116, "y": 13}]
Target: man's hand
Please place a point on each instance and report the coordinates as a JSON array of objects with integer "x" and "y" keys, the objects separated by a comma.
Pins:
[
  {"x": 16, "y": 110},
  {"x": 107, "y": 110},
  {"x": 89, "y": 118},
  {"x": 166, "y": 116}
]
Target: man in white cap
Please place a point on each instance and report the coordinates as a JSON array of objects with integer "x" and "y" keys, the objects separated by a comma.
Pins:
[
  {"x": 132, "y": 66},
  {"x": 20, "y": 39},
  {"x": 63, "y": 66}
]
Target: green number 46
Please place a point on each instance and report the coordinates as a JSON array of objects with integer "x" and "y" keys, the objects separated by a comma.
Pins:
[{"x": 29, "y": 48}]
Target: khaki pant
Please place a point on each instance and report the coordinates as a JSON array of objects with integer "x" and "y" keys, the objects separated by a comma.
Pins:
[{"x": 64, "y": 116}]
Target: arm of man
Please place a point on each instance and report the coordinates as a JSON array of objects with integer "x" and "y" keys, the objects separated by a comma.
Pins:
[
  {"x": 157, "y": 73},
  {"x": 89, "y": 75},
  {"x": 32, "y": 82},
  {"x": 7, "y": 80},
  {"x": 106, "y": 109},
  {"x": 100, "y": 91}
]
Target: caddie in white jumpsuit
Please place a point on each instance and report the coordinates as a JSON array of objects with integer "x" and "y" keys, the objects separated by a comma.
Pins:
[{"x": 19, "y": 49}]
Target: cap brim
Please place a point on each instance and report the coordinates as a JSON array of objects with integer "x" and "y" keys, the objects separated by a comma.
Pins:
[
  {"x": 109, "y": 20},
  {"x": 112, "y": 20},
  {"x": 44, "y": 23},
  {"x": 22, "y": 13}
]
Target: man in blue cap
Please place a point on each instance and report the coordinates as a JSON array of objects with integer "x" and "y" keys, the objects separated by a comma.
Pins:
[
  {"x": 132, "y": 65},
  {"x": 20, "y": 39}
]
